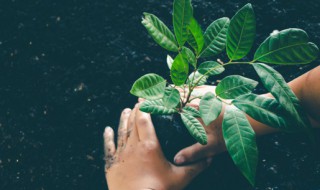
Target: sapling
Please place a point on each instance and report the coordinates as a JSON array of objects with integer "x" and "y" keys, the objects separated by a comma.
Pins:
[{"x": 236, "y": 36}]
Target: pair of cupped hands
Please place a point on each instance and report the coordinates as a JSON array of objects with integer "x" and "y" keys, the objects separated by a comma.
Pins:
[{"x": 137, "y": 162}]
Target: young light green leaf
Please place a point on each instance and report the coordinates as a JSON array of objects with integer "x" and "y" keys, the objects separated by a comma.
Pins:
[
  {"x": 169, "y": 61},
  {"x": 182, "y": 15},
  {"x": 159, "y": 32},
  {"x": 288, "y": 47},
  {"x": 150, "y": 86},
  {"x": 156, "y": 107},
  {"x": 215, "y": 37},
  {"x": 195, "y": 128},
  {"x": 189, "y": 56},
  {"x": 277, "y": 86},
  {"x": 263, "y": 109},
  {"x": 210, "y": 68},
  {"x": 241, "y": 33},
  {"x": 191, "y": 111},
  {"x": 171, "y": 98},
  {"x": 179, "y": 70},
  {"x": 195, "y": 36},
  {"x": 195, "y": 77},
  {"x": 210, "y": 108},
  {"x": 235, "y": 85},
  {"x": 240, "y": 142}
]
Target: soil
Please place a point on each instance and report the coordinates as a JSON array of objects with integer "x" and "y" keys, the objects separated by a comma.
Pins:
[{"x": 66, "y": 68}]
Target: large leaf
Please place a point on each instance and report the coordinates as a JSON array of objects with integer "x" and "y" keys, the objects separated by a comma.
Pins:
[
  {"x": 159, "y": 32},
  {"x": 195, "y": 36},
  {"x": 191, "y": 111},
  {"x": 195, "y": 77},
  {"x": 240, "y": 142},
  {"x": 182, "y": 15},
  {"x": 241, "y": 33},
  {"x": 210, "y": 68},
  {"x": 210, "y": 108},
  {"x": 263, "y": 109},
  {"x": 277, "y": 86},
  {"x": 195, "y": 128},
  {"x": 150, "y": 86},
  {"x": 189, "y": 56},
  {"x": 156, "y": 107},
  {"x": 171, "y": 98},
  {"x": 179, "y": 70},
  {"x": 235, "y": 85},
  {"x": 288, "y": 47},
  {"x": 215, "y": 37}
]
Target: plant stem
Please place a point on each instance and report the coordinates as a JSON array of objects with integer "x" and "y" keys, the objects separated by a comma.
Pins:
[
  {"x": 244, "y": 62},
  {"x": 222, "y": 64},
  {"x": 222, "y": 100},
  {"x": 194, "y": 98}
]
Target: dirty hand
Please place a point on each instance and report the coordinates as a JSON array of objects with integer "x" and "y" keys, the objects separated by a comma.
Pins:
[
  {"x": 138, "y": 162},
  {"x": 215, "y": 143}
]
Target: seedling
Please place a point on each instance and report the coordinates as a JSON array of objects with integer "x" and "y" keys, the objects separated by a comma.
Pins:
[{"x": 236, "y": 36}]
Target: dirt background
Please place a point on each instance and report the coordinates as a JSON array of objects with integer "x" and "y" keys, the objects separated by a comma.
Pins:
[{"x": 66, "y": 68}]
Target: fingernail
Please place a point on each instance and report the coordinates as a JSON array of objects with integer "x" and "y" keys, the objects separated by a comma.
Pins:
[
  {"x": 179, "y": 160},
  {"x": 127, "y": 110},
  {"x": 108, "y": 130}
]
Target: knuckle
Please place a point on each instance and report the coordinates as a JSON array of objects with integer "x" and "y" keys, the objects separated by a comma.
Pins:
[
  {"x": 149, "y": 146},
  {"x": 142, "y": 121}
]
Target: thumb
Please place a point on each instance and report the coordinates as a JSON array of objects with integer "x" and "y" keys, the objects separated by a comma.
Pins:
[
  {"x": 184, "y": 174},
  {"x": 192, "y": 153}
]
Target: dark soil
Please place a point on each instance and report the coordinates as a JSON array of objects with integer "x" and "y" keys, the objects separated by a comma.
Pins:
[{"x": 66, "y": 68}]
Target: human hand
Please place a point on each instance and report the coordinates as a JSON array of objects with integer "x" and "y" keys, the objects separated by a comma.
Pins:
[
  {"x": 138, "y": 162},
  {"x": 215, "y": 143}
]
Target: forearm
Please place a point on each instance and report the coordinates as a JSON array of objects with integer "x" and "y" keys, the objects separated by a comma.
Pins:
[{"x": 307, "y": 89}]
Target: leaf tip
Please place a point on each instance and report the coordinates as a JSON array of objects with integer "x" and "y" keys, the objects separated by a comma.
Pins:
[{"x": 249, "y": 5}]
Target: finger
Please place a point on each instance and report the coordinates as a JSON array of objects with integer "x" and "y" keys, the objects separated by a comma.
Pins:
[
  {"x": 184, "y": 174},
  {"x": 145, "y": 126},
  {"x": 192, "y": 153},
  {"x": 140, "y": 100},
  {"x": 123, "y": 128},
  {"x": 134, "y": 137},
  {"x": 109, "y": 147}
]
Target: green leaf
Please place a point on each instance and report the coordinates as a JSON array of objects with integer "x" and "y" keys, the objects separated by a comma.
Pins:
[
  {"x": 179, "y": 70},
  {"x": 263, "y": 109},
  {"x": 171, "y": 98},
  {"x": 195, "y": 76},
  {"x": 150, "y": 86},
  {"x": 235, "y": 85},
  {"x": 195, "y": 36},
  {"x": 241, "y": 33},
  {"x": 169, "y": 61},
  {"x": 210, "y": 68},
  {"x": 277, "y": 86},
  {"x": 191, "y": 111},
  {"x": 189, "y": 56},
  {"x": 210, "y": 108},
  {"x": 182, "y": 15},
  {"x": 215, "y": 37},
  {"x": 159, "y": 32},
  {"x": 195, "y": 128},
  {"x": 288, "y": 47},
  {"x": 156, "y": 107},
  {"x": 240, "y": 142}
]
